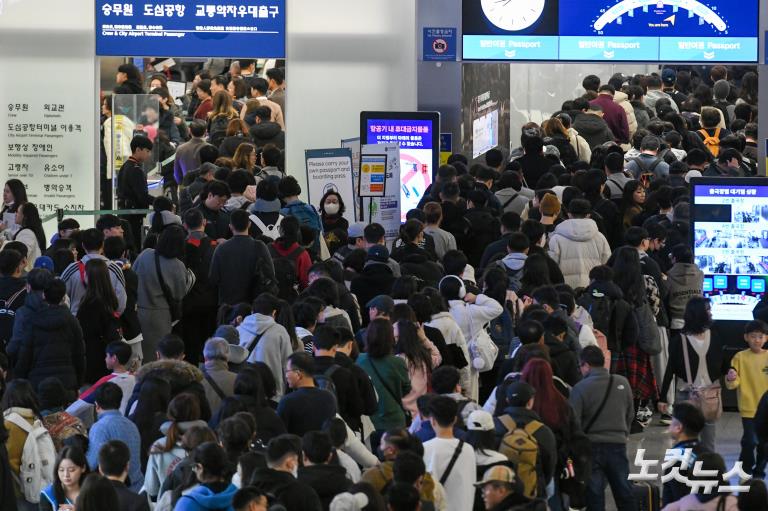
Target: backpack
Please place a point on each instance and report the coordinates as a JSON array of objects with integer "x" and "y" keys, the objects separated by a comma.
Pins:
[
  {"x": 648, "y": 335},
  {"x": 600, "y": 308},
  {"x": 37, "y": 457},
  {"x": 513, "y": 277},
  {"x": 217, "y": 130},
  {"x": 521, "y": 447},
  {"x": 271, "y": 231},
  {"x": 711, "y": 141},
  {"x": 287, "y": 279},
  {"x": 324, "y": 380},
  {"x": 646, "y": 173}
]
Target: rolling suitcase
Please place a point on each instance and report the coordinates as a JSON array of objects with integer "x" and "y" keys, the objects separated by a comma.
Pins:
[{"x": 647, "y": 496}]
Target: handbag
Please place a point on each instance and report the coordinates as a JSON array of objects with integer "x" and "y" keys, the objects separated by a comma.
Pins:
[
  {"x": 708, "y": 398},
  {"x": 173, "y": 304},
  {"x": 648, "y": 338},
  {"x": 482, "y": 350}
]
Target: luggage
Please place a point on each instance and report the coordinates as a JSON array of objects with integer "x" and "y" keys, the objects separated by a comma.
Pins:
[{"x": 647, "y": 496}]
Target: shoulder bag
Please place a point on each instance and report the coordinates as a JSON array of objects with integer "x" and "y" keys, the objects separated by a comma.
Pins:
[
  {"x": 707, "y": 398},
  {"x": 173, "y": 304}
]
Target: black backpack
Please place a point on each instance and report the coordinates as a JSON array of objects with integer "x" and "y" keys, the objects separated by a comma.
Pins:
[{"x": 324, "y": 380}]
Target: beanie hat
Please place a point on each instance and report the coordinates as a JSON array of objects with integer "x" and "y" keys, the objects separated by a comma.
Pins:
[{"x": 549, "y": 205}]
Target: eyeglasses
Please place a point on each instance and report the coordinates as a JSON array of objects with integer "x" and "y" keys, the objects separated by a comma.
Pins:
[{"x": 292, "y": 371}]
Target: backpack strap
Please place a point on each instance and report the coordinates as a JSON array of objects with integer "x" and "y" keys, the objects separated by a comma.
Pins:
[
  {"x": 10, "y": 300},
  {"x": 329, "y": 372},
  {"x": 257, "y": 221},
  {"x": 514, "y": 196},
  {"x": 508, "y": 422},
  {"x": 214, "y": 385},
  {"x": 81, "y": 269},
  {"x": 17, "y": 420},
  {"x": 255, "y": 341},
  {"x": 601, "y": 407},
  {"x": 451, "y": 463},
  {"x": 532, "y": 427}
]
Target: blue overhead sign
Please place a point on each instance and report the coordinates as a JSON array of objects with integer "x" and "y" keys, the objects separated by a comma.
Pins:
[
  {"x": 439, "y": 43},
  {"x": 186, "y": 28}
]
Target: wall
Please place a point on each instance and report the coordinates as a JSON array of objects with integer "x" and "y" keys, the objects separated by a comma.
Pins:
[{"x": 344, "y": 56}]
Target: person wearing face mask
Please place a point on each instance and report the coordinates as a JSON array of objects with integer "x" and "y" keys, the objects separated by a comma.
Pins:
[
  {"x": 279, "y": 477},
  {"x": 331, "y": 211}
]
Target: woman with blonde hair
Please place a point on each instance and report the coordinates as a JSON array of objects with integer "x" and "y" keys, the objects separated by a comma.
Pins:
[
  {"x": 219, "y": 117},
  {"x": 245, "y": 157},
  {"x": 557, "y": 135}
]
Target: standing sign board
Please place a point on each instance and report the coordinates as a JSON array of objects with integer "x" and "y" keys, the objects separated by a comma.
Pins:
[
  {"x": 385, "y": 210},
  {"x": 439, "y": 44},
  {"x": 185, "y": 28},
  {"x": 331, "y": 169},
  {"x": 373, "y": 175}
]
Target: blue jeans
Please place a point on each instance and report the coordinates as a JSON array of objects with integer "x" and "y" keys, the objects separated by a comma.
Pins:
[
  {"x": 749, "y": 443},
  {"x": 610, "y": 465}
]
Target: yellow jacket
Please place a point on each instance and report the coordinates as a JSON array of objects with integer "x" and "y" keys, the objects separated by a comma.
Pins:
[{"x": 751, "y": 381}]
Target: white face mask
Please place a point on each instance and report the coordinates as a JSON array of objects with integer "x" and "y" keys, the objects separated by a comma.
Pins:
[{"x": 331, "y": 208}]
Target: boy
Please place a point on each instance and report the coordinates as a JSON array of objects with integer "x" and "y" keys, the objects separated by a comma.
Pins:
[{"x": 749, "y": 375}]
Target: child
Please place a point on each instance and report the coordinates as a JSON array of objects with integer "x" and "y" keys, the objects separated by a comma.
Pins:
[{"x": 749, "y": 375}]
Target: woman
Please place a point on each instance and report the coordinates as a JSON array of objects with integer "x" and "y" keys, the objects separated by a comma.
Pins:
[
  {"x": 712, "y": 469},
  {"x": 14, "y": 195},
  {"x": 632, "y": 362},
  {"x": 205, "y": 105},
  {"x": 535, "y": 274},
  {"x": 481, "y": 435},
  {"x": 165, "y": 453},
  {"x": 748, "y": 91},
  {"x": 238, "y": 91},
  {"x": 237, "y": 134},
  {"x": 30, "y": 232},
  {"x": 331, "y": 212},
  {"x": 69, "y": 473},
  {"x": 451, "y": 332},
  {"x": 163, "y": 282},
  {"x": 632, "y": 202},
  {"x": 98, "y": 317},
  {"x": 213, "y": 473},
  {"x": 558, "y": 136},
  {"x": 413, "y": 259},
  {"x": 166, "y": 121},
  {"x": 6, "y": 476},
  {"x": 267, "y": 210},
  {"x": 158, "y": 82},
  {"x": 195, "y": 436},
  {"x": 288, "y": 246},
  {"x": 163, "y": 214},
  {"x": 245, "y": 158},
  {"x": 19, "y": 403},
  {"x": 420, "y": 356},
  {"x": 389, "y": 375},
  {"x": 327, "y": 291},
  {"x": 472, "y": 313},
  {"x": 703, "y": 342},
  {"x": 97, "y": 494},
  {"x": 149, "y": 413},
  {"x": 219, "y": 118}
]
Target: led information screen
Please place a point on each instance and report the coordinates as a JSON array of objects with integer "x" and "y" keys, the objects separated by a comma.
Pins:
[
  {"x": 185, "y": 28},
  {"x": 729, "y": 225},
  {"x": 611, "y": 30},
  {"x": 418, "y": 135}
]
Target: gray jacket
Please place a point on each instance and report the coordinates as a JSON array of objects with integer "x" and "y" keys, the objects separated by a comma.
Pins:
[
  {"x": 219, "y": 372},
  {"x": 613, "y": 423},
  {"x": 273, "y": 348},
  {"x": 684, "y": 281}
]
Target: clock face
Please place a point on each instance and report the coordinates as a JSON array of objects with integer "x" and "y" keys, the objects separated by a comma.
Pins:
[{"x": 513, "y": 15}]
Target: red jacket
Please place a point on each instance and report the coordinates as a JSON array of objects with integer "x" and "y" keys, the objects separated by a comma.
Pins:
[{"x": 614, "y": 115}]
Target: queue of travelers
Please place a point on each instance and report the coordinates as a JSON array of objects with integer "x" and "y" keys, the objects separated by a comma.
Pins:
[{"x": 240, "y": 349}]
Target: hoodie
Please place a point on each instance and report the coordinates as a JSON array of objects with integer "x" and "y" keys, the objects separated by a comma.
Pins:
[
  {"x": 577, "y": 246},
  {"x": 513, "y": 264},
  {"x": 684, "y": 281},
  {"x": 235, "y": 202},
  {"x": 203, "y": 498},
  {"x": 273, "y": 347},
  {"x": 594, "y": 129}
]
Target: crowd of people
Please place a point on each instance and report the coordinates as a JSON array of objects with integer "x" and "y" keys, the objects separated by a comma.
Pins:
[{"x": 251, "y": 351}]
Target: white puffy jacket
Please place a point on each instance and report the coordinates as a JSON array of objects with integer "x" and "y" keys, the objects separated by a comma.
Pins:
[
  {"x": 452, "y": 334},
  {"x": 577, "y": 246}
]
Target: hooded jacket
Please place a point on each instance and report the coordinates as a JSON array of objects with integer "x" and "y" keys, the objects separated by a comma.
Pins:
[
  {"x": 580, "y": 145},
  {"x": 513, "y": 264},
  {"x": 9, "y": 287},
  {"x": 293, "y": 494},
  {"x": 565, "y": 364},
  {"x": 268, "y": 133},
  {"x": 593, "y": 128},
  {"x": 273, "y": 348},
  {"x": 202, "y": 498},
  {"x": 444, "y": 322},
  {"x": 327, "y": 481},
  {"x": 161, "y": 462},
  {"x": 485, "y": 230},
  {"x": 183, "y": 377},
  {"x": 375, "y": 279},
  {"x": 577, "y": 246},
  {"x": 654, "y": 95},
  {"x": 684, "y": 281},
  {"x": 416, "y": 261},
  {"x": 54, "y": 347},
  {"x": 22, "y": 326}
]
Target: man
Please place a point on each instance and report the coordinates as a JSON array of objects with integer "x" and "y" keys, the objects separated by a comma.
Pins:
[
  {"x": 669, "y": 79},
  {"x": 241, "y": 267},
  {"x": 446, "y": 381},
  {"x": 218, "y": 84},
  {"x": 655, "y": 93},
  {"x": 591, "y": 83},
  {"x": 270, "y": 159},
  {"x": 514, "y": 260},
  {"x": 533, "y": 163},
  {"x": 649, "y": 162},
  {"x": 219, "y": 380},
  {"x": 307, "y": 407},
  {"x": 697, "y": 159},
  {"x": 711, "y": 133},
  {"x": 350, "y": 406},
  {"x": 132, "y": 190},
  {"x": 247, "y": 68},
  {"x": 264, "y": 131},
  {"x": 750, "y": 150},
  {"x": 214, "y": 196},
  {"x": 249, "y": 498},
  {"x": 409, "y": 469},
  {"x": 603, "y": 405},
  {"x": 327, "y": 479},
  {"x": 355, "y": 240},
  {"x": 484, "y": 181},
  {"x": 445, "y": 174},
  {"x": 590, "y": 125},
  {"x": 374, "y": 234},
  {"x": 259, "y": 88},
  {"x": 13, "y": 292},
  {"x": 363, "y": 385},
  {"x": 512, "y": 195},
  {"x": 376, "y": 278},
  {"x": 114, "y": 461},
  {"x": 188, "y": 153},
  {"x": 685, "y": 428},
  {"x": 196, "y": 180},
  {"x": 616, "y": 179},
  {"x": 613, "y": 114},
  {"x": 265, "y": 340},
  {"x": 38, "y": 280},
  {"x": 577, "y": 245},
  {"x": 118, "y": 355},
  {"x": 510, "y": 224},
  {"x": 449, "y": 459},
  {"x": 501, "y": 491},
  {"x": 74, "y": 276},
  {"x": 278, "y": 479},
  {"x": 112, "y": 425},
  {"x": 685, "y": 280},
  {"x": 290, "y": 190},
  {"x": 444, "y": 240},
  {"x": 727, "y": 164},
  {"x": 110, "y": 226},
  {"x": 276, "y": 82},
  {"x": 454, "y": 209},
  {"x": 484, "y": 226}
]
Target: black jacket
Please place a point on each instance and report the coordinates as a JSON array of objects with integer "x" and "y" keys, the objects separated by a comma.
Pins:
[
  {"x": 555, "y": 273},
  {"x": 229, "y": 145},
  {"x": 268, "y": 133},
  {"x": 715, "y": 360},
  {"x": 567, "y": 152},
  {"x": 188, "y": 196},
  {"x": 204, "y": 295},
  {"x": 375, "y": 279},
  {"x": 422, "y": 267},
  {"x": 485, "y": 230},
  {"x": 132, "y": 191},
  {"x": 230, "y": 266},
  {"x": 54, "y": 348},
  {"x": 327, "y": 481},
  {"x": 565, "y": 364},
  {"x": 294, "y": 495},
  {"x": 612, "y": 224},
  {"x": 454, "y": 221},
  {"x": 6, "y": 481},
  {"x": 349, "y": 401},
  {"x": 128, "y": 500},
  {"x": 12, "y": 295},
  {"x": 99, "y": 328},
  {"x": 544, "y": 437},
  {"x": 594, "y": 129},
  {"x": 622, "y": 329},
  {"x": 129, "y": 320},
  {"x": 363, "y": 386},
  {"x": 269, "y": 424},
  {"x": 534, "y": 166},
  {"x": 674, "y": 490},
  {"x": 217, "y": 226},
  {"x": 183, "y": 377},
  {"x": 129, "y": 87}
]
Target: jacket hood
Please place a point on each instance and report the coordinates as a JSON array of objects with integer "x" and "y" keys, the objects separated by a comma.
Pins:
[
  {"x": 52, "y": 317},
  {"x": 256, "y": 324},
  {"x": 600, "y": 288},
  {"x": 590, "y": 124},
  {"x": 377, "y": 269},
  {"x": 266, "y": 206},
  {"x": 177, "y": 371},
  {"x": 555, "y": 347},
  {"x": 183, "y": 426},
  {"x": 577, "y": 229},
  {"x": 620, "y": 97},
  {"x": 234, "y": 203},
  {"x": 209, "y": 500},
  {"x": 684, "y": 272},
  {"x": 514, "y": 261},
  {"x": 266, "y": 130}
]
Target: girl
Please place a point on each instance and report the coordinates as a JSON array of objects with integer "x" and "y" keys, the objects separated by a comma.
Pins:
[
  {"x": 633, "y": 202},
  {"x": 420, "y": 356},
  {"x": 30, "y": 232},
  {"x": 68, "y": 476},
  {"x": 212, "y": 472}
]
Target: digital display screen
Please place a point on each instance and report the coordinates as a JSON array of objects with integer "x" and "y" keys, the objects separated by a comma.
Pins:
[
  {"x": 417, "y": 154},
  {"x": 611, "y": 30},
  {"x": 730, "y": 245},
  {"x": 485, "y": 133},
  {"x": 184, "y": 28}
]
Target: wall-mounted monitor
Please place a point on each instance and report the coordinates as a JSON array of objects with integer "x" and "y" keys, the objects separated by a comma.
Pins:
[{"x": 611, "y": 30}]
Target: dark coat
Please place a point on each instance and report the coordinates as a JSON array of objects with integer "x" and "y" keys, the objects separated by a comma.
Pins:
[
  {"x": 485, "y": 230},
  {"x": 9, "y": 287},
  {"x": 269, "y": 423},
  {"x": 417, "y": 261},
  {"x": 349, "y": 401},
  {"x": 6, "y": 481},
  {"x": 132, "y": 191},
  {"x": 565, "y": 364},
  {"x": 203, "y": 295},
  {"x": 54, "y": 347},
  {"x": 99, "y": 329},
  {"x": 129, "y": 501},
  {"x": 534, "y": 166},
  {"x": 294, "y": 495},
  {"x": 594, "y": 129},
  {"x": 268, "y": 133},
  {"x": 22, "y": 325},
  {"x": 363, "y": 386},
  {"x": 327, "y": 481},
  {"x": 217, "y": 222},
  {"x": 454, "y": 221},
  {"x": 183, "y": 377},
  {"x": 375, "y": 279}
]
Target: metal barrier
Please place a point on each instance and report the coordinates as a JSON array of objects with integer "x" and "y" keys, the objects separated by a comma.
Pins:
[{"x": 61, "y": 213}]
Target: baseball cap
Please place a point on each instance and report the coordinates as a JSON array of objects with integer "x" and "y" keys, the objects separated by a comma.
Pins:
[
  {"x": 383, "y": 303},
  {"x": 480, "y": 420},
  {"x": 519, "y": 393},
  {"x": 356, "y": 230},
  {"x": 668, "y": 76},
  {"x": 378, "y": 253},
  {"x": 498, "y": 474},
  {"x": 44, "y": 262}
]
